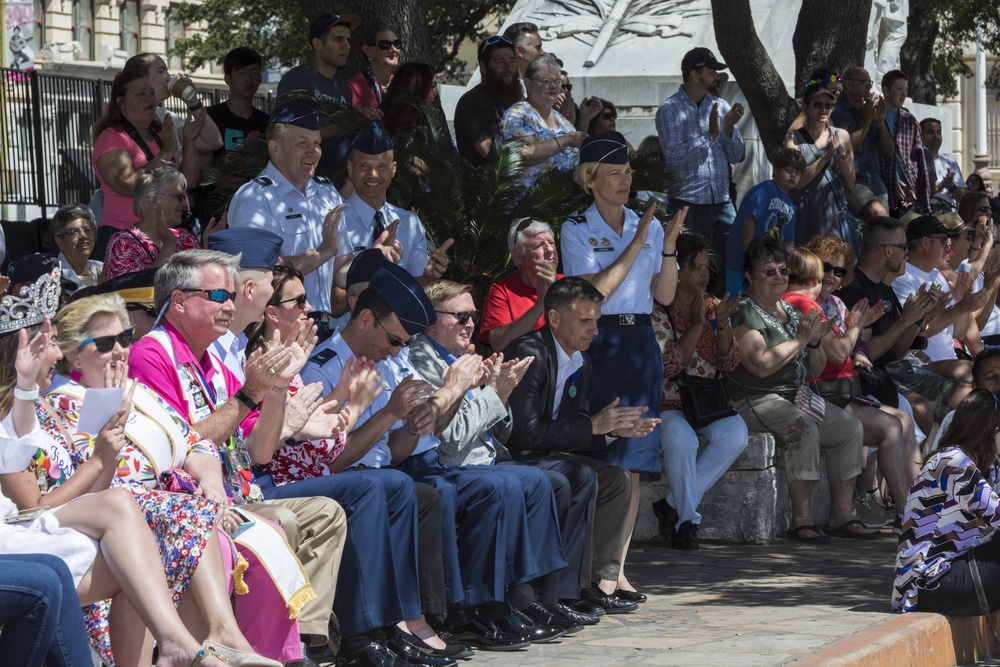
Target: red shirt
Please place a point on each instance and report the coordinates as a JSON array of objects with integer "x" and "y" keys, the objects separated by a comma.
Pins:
[
  {"x": 131, "y": 250},
  {"x": 507, "y": 300},
  {"x": 831, "y": 371}
]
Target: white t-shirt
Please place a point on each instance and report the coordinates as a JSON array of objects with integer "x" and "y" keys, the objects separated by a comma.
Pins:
[{"x": 941, "y": 345}]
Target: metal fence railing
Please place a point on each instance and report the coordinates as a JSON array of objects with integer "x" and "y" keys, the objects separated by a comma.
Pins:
[{"x": 46, "y": 123}]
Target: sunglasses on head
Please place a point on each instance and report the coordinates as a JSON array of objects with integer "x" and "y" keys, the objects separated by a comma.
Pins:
[
  {"x": 386, "y": 44},
  {"x": 490, "y": 41},
  {"x": 105, "y": 344},
  {"x": 838, "y": 271},
  {"x": 462, "y": 316},
  {"x": 772, "y": 272},
  {"x": 215, "y": 295},
  {"x": 300, "y": 301}
]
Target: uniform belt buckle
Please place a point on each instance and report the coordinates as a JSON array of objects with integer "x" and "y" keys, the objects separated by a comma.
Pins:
[{"x": 626, "y": 320}]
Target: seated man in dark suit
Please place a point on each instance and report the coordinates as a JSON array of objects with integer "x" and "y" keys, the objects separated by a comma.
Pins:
[{"x": 552, "y": 419}]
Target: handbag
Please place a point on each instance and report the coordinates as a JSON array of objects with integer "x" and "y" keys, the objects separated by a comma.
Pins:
[
  {"x": 875, "y": 381},
  {"x": 840, "y": 390},
  {"x": 703, "y": 400},
  {"x": 810, "y": 403}
]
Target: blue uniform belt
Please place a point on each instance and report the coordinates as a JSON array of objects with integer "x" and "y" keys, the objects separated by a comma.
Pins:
[{"x": 626, "y": 320}]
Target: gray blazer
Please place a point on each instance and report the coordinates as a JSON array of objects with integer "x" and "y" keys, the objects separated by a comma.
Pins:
[{"x": 464, "y": 440}]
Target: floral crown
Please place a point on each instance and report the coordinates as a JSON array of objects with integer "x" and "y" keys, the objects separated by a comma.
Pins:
[
  {"x": 824, "y": 80},
  {"x": 36, "y": 302}
]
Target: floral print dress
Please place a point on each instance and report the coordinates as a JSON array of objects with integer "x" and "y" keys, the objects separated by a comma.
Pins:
[
  {"x": 181, "y": 524},
  {"x": 293, "y": 463}
]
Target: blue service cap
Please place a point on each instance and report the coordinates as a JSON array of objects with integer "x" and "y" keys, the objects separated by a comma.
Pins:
[
  {"x": 300, "y": 113},
  {"x": 30, "y": 268},
  {"x": 258, "y": 248},
  {"x": 606, "y": 148},
  {"x": 364, "y": 265},
  {"x": 404, "y": 296},
  {"x": 372, "y": 140}
]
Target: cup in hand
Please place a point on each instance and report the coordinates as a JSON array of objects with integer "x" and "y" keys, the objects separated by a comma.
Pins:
[{"x": 182, "y": 87}]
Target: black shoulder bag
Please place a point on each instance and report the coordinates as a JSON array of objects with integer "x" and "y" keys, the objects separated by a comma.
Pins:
[{"x": 704, "y": 400}]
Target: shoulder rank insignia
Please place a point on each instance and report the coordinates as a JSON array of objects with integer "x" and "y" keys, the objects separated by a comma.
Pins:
[
  {"x": 263, "y": 180},
  {"x": 323, "y": 356}
]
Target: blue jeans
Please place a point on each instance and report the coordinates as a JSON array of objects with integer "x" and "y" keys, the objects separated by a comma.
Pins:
[
  {"x": 40, "y": 613},
  {"x": 712, "y": 221}
]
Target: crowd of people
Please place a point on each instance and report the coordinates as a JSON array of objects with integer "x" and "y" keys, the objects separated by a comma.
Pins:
[{"x": 289, "y": 429}]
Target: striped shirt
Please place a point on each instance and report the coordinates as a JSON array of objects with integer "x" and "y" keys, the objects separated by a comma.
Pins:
[{"x": 951, "y": 510}]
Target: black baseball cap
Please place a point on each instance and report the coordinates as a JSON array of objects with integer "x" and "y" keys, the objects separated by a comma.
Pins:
[
  {"x": 928, "y": 225},
  {"x": 701, "y": 57}
]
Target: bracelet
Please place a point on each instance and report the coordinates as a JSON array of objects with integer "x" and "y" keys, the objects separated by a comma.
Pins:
[
  {"x": 814, "y": 347},
  {"x": 245, "y": 399},
  {"x": 558, "y": 144},
  {"x": 669, "y": 254},
  {"x": 406, "y": 425},
  {"x": 196, "y": 106},
  {"x": 728, "y": 324},
  {"x": 25, "y": 394},
  {"x": 277, "y": 388}
]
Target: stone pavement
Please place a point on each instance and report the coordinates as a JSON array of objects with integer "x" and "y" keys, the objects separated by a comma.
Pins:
[{"x": 746, "y": 605}]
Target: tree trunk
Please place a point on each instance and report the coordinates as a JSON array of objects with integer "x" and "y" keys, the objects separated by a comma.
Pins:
[
  {"x": 771, "y": 107},
  {"x": 407, "y": 17},
  {"x": 917, "y": 54},
  {"x": 822, "y": 40}
]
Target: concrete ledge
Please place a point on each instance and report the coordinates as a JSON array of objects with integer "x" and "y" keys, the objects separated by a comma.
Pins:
[{"x": 915, "y": 640}]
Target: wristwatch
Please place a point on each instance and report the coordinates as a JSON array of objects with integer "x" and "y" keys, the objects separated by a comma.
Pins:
[{"x": 245, "y": 399}]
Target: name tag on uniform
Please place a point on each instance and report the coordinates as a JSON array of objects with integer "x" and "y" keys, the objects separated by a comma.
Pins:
[
  {"x": 359, "y": 248},
  {"x": 604, "y": 249},
  {"x": 647, "y": 246},
  {"x": 293, "y": 216}
]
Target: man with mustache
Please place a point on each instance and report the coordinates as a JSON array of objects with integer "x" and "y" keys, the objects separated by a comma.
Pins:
[{"x": 478, "y": 113}]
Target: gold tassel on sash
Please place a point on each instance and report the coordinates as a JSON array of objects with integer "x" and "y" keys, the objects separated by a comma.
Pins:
[{"x": 240, "y": 586}]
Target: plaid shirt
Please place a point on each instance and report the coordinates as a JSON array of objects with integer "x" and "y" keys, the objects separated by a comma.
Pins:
[
  {"x": 700, "y": 164},
  {"x": 910, "y": 155}
]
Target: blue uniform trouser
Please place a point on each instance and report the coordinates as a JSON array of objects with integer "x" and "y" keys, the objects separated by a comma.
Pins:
[
  {"x": 503, "y": 521},
  {"x": 377, "y": 585},
  {"x": 574, "y": 485},
  {"x": 40, "y": 613}
]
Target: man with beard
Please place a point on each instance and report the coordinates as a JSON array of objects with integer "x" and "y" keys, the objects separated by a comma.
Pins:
[
  {"x": 947, "y": 184},
  {"x": 478, "y": 113}
]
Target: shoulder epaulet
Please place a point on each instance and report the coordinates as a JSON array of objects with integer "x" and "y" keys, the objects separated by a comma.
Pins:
[
  {"x": 322, "y": 179},
  {"x": 263, "y": 181},
  {"x": 578, "y": 218},
  {"x": 323, "y": 356}
]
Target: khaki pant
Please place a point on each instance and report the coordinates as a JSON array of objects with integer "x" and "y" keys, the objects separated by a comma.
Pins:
[
  {"x": 800, "y": 437},
  {"x": 315, "y": 528}
]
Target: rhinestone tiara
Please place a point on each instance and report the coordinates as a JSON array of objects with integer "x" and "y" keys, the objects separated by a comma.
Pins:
[{"x": 36, "y": 302}]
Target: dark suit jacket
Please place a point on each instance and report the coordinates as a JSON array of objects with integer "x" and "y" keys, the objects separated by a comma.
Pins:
[{"x": 531, "y": 403}]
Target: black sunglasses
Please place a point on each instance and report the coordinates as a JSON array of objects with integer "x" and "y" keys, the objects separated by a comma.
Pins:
[
  {"x": 105, "y": 344},
  {"x": 142, "y": 308},
  {"x": 215, "y": 295},
  {"x": 299, "y": 300},
  {"x": 395, "y": 342},
  {"x": 568, "y": 87},
  {"x": 607, "y": 115},
  {"x": 772, "y": 272},
  {"x": 838, "y": 271},
  {"x": 462, "y": 316},
  {"x": 386, "y": 44}
]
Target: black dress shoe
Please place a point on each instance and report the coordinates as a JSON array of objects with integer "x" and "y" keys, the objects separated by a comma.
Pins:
[
  {"x": 561, "y": 612},
  {"x": 452, "y": 649},
  {"x": 485, "y": 635},
  {"x": 370, "y": 654},
  {"x": 666, "y": 518},
  {"x": 540, "y": 614},
  {"x": 687, "y": 537},
  {"x": 519, "y": 623},
  {"x": 610, "y": 603},
  {"x": 631, "y": 596},
  {"x": 584, "y": 607},
  {"x": 408, "y": 654}
]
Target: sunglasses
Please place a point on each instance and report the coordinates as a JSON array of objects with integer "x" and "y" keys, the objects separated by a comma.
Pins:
[
  {"x": 395, "y": 342},
  {"x": 490, "y": 41},
  {"x": 300, "y": 301},
  {"x": 215, "y": 295},
  {"x": 770, "y": 273},
  {"x": 838, "y": 271},
  {"x": 823, "y": 106},
  {"x": 462, "y": 316},
  {"x": 141, "y": 307},
  {"x": 984, "y": 209},
  {"x": 568, "y": 87},
  {"x": 607, "y": 115},
  {"x": 386, "y": 44},
  {"x": 105, "y": 344}
]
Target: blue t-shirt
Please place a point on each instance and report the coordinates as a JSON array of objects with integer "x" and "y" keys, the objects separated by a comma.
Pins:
[{"x": 773, "y": 213}]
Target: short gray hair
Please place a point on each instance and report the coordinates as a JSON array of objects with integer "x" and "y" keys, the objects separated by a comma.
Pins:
[
  {"x": 182, "y": 269},
  {"x": 515, "y": 237},
  {"x": 153, "y": 181},
  {"x": 546, "y": 62},
  {"x": 70, "y": 212}
]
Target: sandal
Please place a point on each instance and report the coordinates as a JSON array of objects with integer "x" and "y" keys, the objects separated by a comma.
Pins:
[
  {"x": 843, "y": 531},
  {"x": 796, "y": 534},
  {"x": 237, "y": 658}
]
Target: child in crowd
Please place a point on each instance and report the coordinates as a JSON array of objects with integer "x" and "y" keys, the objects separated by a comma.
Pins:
[{"x": 766, "y": 209}]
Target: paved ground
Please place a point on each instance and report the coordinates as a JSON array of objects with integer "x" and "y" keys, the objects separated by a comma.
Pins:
[{"x": 731, "y": 605}]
